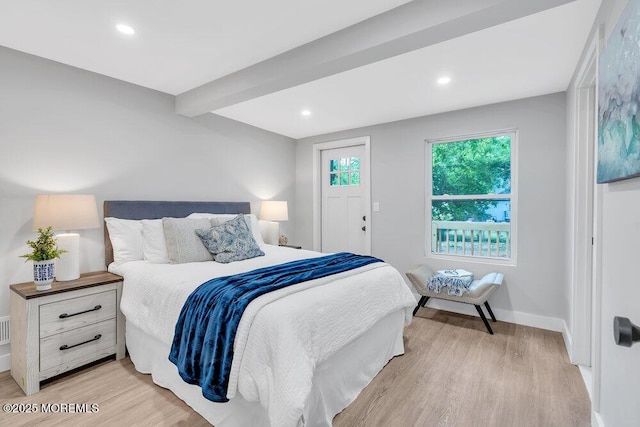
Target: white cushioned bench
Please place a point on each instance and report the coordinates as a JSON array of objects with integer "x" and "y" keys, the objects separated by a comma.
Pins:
[{"x": 478, "y": 293}]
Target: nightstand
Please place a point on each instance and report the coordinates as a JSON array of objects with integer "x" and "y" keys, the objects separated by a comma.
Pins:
[
  {"x": 65, "y": 327},
  {"x": 291, "y": 246}
]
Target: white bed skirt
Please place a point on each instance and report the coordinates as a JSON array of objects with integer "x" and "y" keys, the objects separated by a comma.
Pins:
[{"x": 336, "y": 382}]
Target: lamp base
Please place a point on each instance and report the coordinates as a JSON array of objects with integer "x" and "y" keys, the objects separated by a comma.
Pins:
[
  {"x": 272, "y": 234},
  {"x": 68, "y": 265}
]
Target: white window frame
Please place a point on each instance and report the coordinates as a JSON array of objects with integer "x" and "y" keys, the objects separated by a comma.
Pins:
[{"x": 514, "y": 198}]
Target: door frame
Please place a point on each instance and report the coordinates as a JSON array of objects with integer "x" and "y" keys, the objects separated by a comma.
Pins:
[
  {"x": 585, "y": 256},
  {"x": 317, "y": 186},
  {"x": 583, "y": 208}
]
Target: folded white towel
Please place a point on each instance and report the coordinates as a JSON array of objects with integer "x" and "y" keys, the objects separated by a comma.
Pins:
[{"x": 459, "y": 272}]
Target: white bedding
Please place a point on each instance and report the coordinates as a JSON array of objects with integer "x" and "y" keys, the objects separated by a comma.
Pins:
[{"x": 283, "y": 335}]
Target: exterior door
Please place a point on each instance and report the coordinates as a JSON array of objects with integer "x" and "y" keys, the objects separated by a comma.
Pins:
[{"x": 344, "y": 200}]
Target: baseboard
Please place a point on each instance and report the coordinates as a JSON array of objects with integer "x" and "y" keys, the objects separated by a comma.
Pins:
[
  {"x": 596, "y": 421},
  {"x": 587, "y": 377},
  {"x": 566, "y": 335},
  {"x": 5, "y": 362},
  {"x": 520, "y": 318}
]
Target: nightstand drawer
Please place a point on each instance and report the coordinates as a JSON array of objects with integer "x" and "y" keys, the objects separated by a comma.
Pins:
[
  {"x": 81, "y": 343},
  {"x": 62, "y": 316}
]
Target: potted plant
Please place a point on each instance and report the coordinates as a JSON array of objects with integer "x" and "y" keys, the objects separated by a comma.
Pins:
[{"x": 45, "y": 251}]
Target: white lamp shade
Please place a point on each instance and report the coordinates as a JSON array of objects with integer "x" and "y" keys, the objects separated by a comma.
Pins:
[
  {"x": 273, "y": 210},
  {"x": 65, "y": 212}
]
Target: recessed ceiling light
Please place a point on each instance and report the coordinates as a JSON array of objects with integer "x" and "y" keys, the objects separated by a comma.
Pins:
[
  {"x": 305, "y": 113},
  {"x": 125, "y": 29},
  {"x": 444, "y": 80}
]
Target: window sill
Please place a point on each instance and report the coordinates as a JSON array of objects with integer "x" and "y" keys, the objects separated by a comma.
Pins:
[{"x": 473, "y": 260}]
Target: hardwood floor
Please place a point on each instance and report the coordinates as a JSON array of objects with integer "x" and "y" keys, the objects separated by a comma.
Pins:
[{"x": 453, "y": 374}]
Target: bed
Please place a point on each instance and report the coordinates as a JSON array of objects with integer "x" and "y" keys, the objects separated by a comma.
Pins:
[{"x": 301, "y": 354}]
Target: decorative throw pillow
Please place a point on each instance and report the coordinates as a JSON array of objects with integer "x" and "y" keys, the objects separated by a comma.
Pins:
[
  {"x": 183, "y": 244},
  {"x": 252, "y": 222},
  {"x": 230, "y": 241}
]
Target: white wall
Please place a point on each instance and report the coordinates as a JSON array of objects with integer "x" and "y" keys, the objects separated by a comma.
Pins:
[
  {"x": 620, "y": 374},
  {"x": 65, "y": 130},
  {"x": 617, "y": 375},
  {"x": 534, "y": 289}
]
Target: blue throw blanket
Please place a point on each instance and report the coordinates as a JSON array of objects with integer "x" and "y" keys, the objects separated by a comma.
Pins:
[{"x": 202, "y": 346}]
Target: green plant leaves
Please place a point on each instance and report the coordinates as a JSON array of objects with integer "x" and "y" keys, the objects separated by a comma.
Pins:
[{"x": 44, "y": 247}]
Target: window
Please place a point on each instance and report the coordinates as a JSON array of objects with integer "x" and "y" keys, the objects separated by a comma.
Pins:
[
  {"x": 344, "y": 171},
  {"x": 470, "y": 196}
]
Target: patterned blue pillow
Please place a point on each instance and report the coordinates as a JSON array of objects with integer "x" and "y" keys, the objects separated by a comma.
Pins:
[{"x": 230, "y": 241}]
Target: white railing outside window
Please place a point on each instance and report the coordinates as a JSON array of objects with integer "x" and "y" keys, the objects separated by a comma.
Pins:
[{"x": 482, "y": 239}]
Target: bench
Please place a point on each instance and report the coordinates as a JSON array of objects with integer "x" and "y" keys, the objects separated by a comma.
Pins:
[{"x": 477, "y": 294}]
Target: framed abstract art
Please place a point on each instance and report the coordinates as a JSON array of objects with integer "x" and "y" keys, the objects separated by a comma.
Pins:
[{"x": 619, "y": 100}]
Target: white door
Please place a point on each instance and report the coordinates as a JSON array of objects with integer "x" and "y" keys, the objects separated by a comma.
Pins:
[
  {"x": 344, "y": 200},
  {"x": 620, "y": 366}
]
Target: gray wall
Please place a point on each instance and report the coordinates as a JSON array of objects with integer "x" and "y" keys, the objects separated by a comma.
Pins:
[
  {"x": 65, "y": 130},
  {"x": 535, "y": 284}
]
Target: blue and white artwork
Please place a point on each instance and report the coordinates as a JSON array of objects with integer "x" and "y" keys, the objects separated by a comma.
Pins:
[{"x": 619, "y": 100}]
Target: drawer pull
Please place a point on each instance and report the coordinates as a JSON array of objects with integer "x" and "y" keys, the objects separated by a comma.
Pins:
[
  {"x": 65, "y": 315},
  {"x": 67, "y": 347}
]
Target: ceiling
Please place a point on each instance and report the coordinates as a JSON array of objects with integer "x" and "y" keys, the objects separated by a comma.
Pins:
[{"x": 191, "y": 45}]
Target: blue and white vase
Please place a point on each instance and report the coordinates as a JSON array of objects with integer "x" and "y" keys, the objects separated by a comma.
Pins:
[{"x": 43, "y": 274}]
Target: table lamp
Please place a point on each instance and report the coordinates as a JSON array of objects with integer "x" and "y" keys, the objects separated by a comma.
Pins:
[
  {"x": 66, "y": 212},
  {"x": 274, "y": 210}
]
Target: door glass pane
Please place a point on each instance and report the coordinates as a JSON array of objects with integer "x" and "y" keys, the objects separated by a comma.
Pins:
[
  {"x": 344, "y": 179},
  {"x": 333, "y": 179},
  {"x": 333, "y": 165},
  {"x": 355, "y": 178},
  {"x": 344, "y": 164},
  {"x": 355, "y": 163}
]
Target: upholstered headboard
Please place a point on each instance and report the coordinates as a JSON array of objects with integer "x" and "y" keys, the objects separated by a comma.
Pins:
[{"x": 136, "y": 209}]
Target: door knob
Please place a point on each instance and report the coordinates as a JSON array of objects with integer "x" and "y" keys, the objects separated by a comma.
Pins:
[
  {"x": 625, "y": 332},
  {"x": 364, "y": 228},
  {"x": 364, "y": 217}
]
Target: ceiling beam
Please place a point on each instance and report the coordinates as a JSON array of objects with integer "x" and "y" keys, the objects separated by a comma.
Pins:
[{"x": 409, "y": 27}]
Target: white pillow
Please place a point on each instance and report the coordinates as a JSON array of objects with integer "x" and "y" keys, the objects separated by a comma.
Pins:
[
  {"x": 126, "y": 239},
  {"x": 196, "y": 215},
  {"x": 250, "y": 219},
  {"x": 154, "y": 245}
]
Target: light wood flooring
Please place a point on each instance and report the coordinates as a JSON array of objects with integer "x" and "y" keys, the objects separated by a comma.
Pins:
[{"x": 453, "y": 374}]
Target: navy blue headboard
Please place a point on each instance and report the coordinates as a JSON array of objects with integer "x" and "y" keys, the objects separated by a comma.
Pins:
[{"x": 142, "y": 209}]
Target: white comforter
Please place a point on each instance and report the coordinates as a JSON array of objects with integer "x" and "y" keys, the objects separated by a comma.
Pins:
[{"x": 283, "y": 335}]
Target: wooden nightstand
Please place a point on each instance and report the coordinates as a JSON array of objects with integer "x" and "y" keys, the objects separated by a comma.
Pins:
[
  {"x": 291, "y": 246},
  {"x": 65, "y": 327}
]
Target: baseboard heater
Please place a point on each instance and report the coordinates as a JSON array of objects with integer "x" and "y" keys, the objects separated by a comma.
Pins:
[{"x": 5, "y": 331}]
